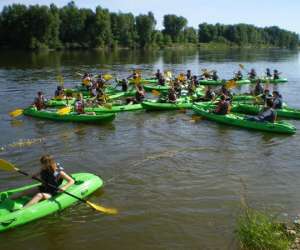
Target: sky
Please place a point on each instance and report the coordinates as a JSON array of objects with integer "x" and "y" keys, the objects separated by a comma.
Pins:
[{"x": 285, "y": 14}]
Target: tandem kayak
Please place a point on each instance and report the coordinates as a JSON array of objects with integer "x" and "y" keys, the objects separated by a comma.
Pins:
[
  {"x": 114, "y": 108},
  {"x": 71, "y": 117},
  {"x": 240, "y": 120},
  {"x": 12, "y": 214},
  {"x": 256, "y": 109},
  {"x": 181, "y": 103},
  {"x": 221, "y": 82}
]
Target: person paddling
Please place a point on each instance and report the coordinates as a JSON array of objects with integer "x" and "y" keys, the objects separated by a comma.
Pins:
[
  {"x": 252, "y": 74},
  {"x": 188, "y": 74},
  {"x": 172, "y": 95},
  {"x": 215, "y": 76},
  {"x": 268, "y": 73},
  {"x": 210, "y": 95},
  {"x": 158, "y": 74},
  {"x": 276, "y": 74},
  {"x": 50, "y": 173},
  {"x": 139, "y": 94},
  {"x": 238, "y": 76},
  {"x": 124, "y": 85},
  {"x": 79, "y": 104},
  {"x": 222, "y": 107},
  {"x": 267, "y": 115},
  {"x": 258, "y": 89},
  {"x": 277, "y": 100},
  {"x": 59, "y": 93},
  {"x": 40, "y": 101}
]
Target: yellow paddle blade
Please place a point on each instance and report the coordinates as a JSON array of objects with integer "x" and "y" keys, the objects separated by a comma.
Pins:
[
  {"x": 137, "y": 80},
  {"x": 16, "y": 112},
  {"x": 230, "y": 84},
  {"x": 64, "y": 111},
  {"x": 181, "y": 77},
  {"x": 155, "y": 92},
  {"x": 7, "y": 166},
  {"x": 241, "y": 66},
  {"x": 168, "y": 74},
  {"x": 99, "y": 208},
  {"x": 107, "y": 77}
]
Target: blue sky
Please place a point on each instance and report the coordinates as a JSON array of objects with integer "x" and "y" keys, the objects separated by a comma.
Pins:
[{"x": 285, "y": 14}]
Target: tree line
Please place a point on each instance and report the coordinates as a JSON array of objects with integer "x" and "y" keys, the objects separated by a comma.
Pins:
[{"x": 36, "y": 27}]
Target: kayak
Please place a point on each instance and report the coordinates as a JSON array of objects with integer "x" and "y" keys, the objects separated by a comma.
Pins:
[
  {"x": 270, "y": 80},
  {"x": 150, "y": 87},
  {"x": 12, "y": 214},
  {"x": 240, "y": 120},
  {"x": 157, "y": 105},
  {"x": 71, "y": 117},
  {"x": 221, "y": 82},
  {"x": 145, "y": 80},
  {"x": 256, "y": 109},
  {"x": 238, "y": 98},
  {"x": 60, "y": 103},
  {"x": 114, "y": 108}
]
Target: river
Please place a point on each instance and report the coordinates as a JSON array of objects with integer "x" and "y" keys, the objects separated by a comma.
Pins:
[{"x": 177, "y": 184}]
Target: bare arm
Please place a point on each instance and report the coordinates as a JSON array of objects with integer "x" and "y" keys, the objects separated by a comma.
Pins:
[{"x": 69, "y": 179}]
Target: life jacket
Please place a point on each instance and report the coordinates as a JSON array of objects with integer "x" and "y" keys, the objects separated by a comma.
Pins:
[
  {"x": 79, "y": 107},
  {"x": 172, "y": 95},
  {"x": 39, "y": 103},
  {"x": 51, "y": 178},
  {"x": 161, "y": 81},
  {"x": 277, "y": 103},
  {"x": 222, "y": 108}
]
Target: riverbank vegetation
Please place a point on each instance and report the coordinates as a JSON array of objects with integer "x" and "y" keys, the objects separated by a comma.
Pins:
[{"x": 70, "y": 27}]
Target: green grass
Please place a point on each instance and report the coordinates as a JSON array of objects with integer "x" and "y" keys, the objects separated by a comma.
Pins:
[{"x": 256, "y": 230}]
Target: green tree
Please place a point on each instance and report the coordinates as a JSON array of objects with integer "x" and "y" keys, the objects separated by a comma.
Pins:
[
  {"x": 173, "y": 26},
  {"x": 145, "y": 25}
]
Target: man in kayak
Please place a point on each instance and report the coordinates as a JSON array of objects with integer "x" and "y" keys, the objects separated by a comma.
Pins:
[
  {"x": 252, "y": 74},
  {"x": 40, "y": 101},
  {"x": 188, "y": 74},
  {"x": 158, "y": 74},
  {"x": 276, "y": 74},
  {"x": 59, "y": 93},
  {"x": 205, "y": 75},
  {"x": 51, "y": 173},
  {"x": 258, "y": 89},
  {"x": 268, "y": 73},
  {"x": 277, "y": 100},
  {"x": 210, "y": 95},
  {"x": 215, "y": 76},
  {"x": 222, "y": 107},
  {"x": 238, "y": 76},
  {"x": 267, "y": 115}
]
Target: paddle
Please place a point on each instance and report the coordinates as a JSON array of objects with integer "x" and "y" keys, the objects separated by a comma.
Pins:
[
  {"x": 7, "y": 166},
  {"x": 16, "y": 113},
  {"x": 155, "y": 92},
  {"x": 230, "y": 84},
  {"x": 64, "y": 110}
]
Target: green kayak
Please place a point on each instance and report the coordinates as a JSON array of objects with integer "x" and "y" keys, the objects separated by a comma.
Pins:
[
  {"x": 114, "y": 108},
  {"x": 238, "y": 98},
  {"x": 270, "y": 80},
  {"x": 150, "y": 87},
  {"x": 241, "y": 121},
  {"x": 181, "y": 103},
  {"x": 255, "y": 109},
  {"x": 12, "y": 214},
  {"x": 71, "y": 117},
  {"x": 145, "y": 80},
  {"x": 221, "y": 82}
]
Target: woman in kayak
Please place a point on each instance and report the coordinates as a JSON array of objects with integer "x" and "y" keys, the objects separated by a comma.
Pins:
[
  {"x": 258, "y": 89},
  {"x": 51, "y": 173},
  {"x": 79, "y": 104},
  {"x": 277, "y": 100},
  {"x": 222, "y": 107},
  {"x": 267, "y": 115},
  {"x": 40, "y": 101}
]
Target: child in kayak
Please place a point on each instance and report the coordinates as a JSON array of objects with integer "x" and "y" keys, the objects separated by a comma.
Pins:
[
  {"x": 276, "y": 74},
  {"x": 51, "y": 173},
  {"x": 277, "y": 100},
  {"x": 267, "y": 115},
  {"x": 79, "y": 104},
  {"x": 40, "y": 101},
  {"x": 222, "y": 107}
]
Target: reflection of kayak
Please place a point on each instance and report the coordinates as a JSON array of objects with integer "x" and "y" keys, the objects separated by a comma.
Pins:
[
  {"x": 71, "y": 117},
  {"x": 182, "y": 103},
  {"x": 221, "y": 82},
  {"x": 240, "y": 120},
  {"x": 255, "y": 109},
  {"x": 85, "y": 184},
  {"x": 114, "y": 108},
  {"x": 271, "y": 80}
]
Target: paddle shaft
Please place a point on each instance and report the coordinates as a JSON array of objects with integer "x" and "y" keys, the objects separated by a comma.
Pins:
[{"x": 52, "y": 186}]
